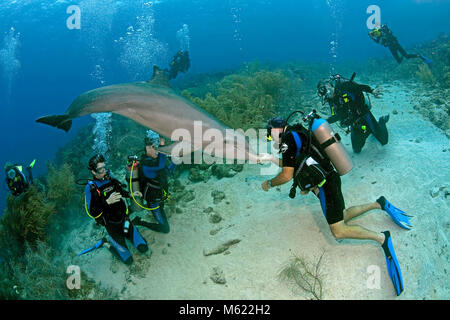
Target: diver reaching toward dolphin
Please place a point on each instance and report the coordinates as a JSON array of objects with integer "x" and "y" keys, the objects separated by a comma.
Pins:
[{"x": 156, "y": 106}]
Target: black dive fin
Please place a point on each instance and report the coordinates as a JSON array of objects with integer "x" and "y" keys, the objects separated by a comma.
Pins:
[{"x": 62, "y": 122}]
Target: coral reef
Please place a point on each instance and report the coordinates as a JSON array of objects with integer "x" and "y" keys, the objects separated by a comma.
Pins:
[
  {"x": 304, "y": 275},
  {"x": 61, "y": 184},
  {"x": 26, "y": 217},
  {"x": 437, "y": 50},
  {"x": 41, "y": 274},
  {"x": 424, "y": 73},
  {"x": 244, "y": 100}
]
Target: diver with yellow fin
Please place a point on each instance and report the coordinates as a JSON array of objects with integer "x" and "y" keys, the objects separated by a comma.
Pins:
[{"x": 18, "y": 182}]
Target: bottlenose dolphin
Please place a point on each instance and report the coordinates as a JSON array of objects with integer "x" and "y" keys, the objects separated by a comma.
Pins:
[{"x": 155, "y": 105}]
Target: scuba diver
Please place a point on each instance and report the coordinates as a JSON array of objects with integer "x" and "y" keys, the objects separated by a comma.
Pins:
[
  {"x": 179, "y": 63},
  {"x": 349, "y": 106},
  {"x": 314, "y": 158},
  {"x": 151, "y": 177},
  {"x": 16, "y": 180},
  {"x": 384, "y": 36},
  {"x": 104, "y": 203}
]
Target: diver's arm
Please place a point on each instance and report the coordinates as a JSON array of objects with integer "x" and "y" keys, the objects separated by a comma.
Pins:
[
  {"x": 283, "y": 177},
  {"x": 333, "y": 119},
  {"x": 361, "y": 87},
  {"x": 266, "y": 157}
]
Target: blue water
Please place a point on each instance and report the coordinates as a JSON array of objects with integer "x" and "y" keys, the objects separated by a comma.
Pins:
[{"x": 57, "y": 64}]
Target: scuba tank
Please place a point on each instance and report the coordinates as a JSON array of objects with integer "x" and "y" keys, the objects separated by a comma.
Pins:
[
  {"x": 330, "y": 143},
  {"x": 133, "y": 174}
]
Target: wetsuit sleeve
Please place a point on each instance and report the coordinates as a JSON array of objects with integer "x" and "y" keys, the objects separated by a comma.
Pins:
[
  {"x": 290, "y": 154},
  {"x": 365, "y": 88},
  {"x": 333, "y": 119}
]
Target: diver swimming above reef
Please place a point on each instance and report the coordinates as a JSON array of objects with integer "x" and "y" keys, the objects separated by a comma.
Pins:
[
  {"x": 17, "y": 181},
  {"x": 384, "y": 36},
  {"x": 314, "y": 158},
  {"x": 349, "y": 106}
]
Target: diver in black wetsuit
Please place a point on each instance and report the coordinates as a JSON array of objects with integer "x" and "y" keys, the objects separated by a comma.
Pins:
[
  {"x": 104, "y": 203},
  {"x": 154, "y": 183},
  {"x": 179, "y": 63},
  {"x": 17, "y": 181},
  {"x": 384, "y": 36},
  {"x": 349, "y": 106}
]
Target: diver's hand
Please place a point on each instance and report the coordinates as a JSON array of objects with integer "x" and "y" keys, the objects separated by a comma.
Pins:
[
  {"x": 265, "y": 185},
  {"x": 113, "y": 198},
  {"x": 378, "y": 92},
  {"x": 162, "y": 142},
  {"x": 137, "y": 194}
]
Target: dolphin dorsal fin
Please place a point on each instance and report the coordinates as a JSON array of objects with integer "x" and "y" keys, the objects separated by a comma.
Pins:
[{"x": 159, "y": 77}]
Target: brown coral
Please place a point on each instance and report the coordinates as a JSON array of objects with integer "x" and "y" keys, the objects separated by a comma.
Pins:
[
  {"x": 61, "y": 184},
  {"x": 27, "y": 216},
  {"x": 244, "y": 100}
]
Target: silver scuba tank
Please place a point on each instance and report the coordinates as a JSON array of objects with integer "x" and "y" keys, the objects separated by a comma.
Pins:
[{"x": 332, "y": 146}]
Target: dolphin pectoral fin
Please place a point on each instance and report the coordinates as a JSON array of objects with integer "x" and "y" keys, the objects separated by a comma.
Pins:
[{"x": 63, "y": 122}]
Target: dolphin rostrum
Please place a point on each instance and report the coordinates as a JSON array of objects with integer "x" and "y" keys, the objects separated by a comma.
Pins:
[{"x": 156, "y": 106}]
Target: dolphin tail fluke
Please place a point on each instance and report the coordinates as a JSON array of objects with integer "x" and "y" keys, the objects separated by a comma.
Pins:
[{"x": 62, "y": 121}]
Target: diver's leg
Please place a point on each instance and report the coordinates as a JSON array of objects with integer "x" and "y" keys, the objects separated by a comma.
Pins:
[
  {"x": 160, "y": 216},
  {"x": 405, "y": 54},
  {"x": 137, "y": 239},
  {"x": 341, "y": 230},
  {"x": 395, "y": 54},
  {"x": 358, "y": 210},
  {"x": 30, "y": 175},
  {"x": 378, "y": 129},
  {"x": 117, "y": 241},
  {"x": 333, "y": 206},
  {"x": 358, "y": 137}
]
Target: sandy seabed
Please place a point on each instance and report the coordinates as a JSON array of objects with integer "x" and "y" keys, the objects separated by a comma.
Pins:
[{"x": 271, "y": 227}]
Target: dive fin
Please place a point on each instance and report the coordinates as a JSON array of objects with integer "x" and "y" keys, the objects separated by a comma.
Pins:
[
  {"x": 32, "y": 163},
  {"x": 60, "y": 121},
  {"x": 96, "y": 246},
  {"x": 397, "y": 215},
  {"x": 427, "y": 60},
  {"x": 395, "y": 273}
]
